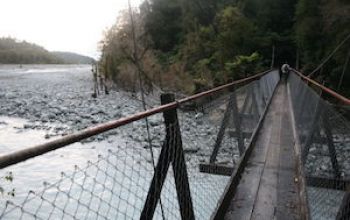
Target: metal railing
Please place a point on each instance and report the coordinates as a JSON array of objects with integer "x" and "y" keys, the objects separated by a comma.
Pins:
[
  {"x": 323, "y": 136},
  {"x": 154, "y": 175}
]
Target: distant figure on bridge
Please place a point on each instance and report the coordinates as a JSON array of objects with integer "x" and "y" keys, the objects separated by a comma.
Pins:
[{"x": 285, "y": 71}]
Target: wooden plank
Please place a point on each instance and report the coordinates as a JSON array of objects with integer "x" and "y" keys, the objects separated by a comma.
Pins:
[
  {"x": 304, "y": 206},
  {"x": 266, "y": 199},
  {"x": 267, "y": 189},
  {"x": 288, "y": 200},
  {"x": 245, "y": 134},
  {"x": 216, "y": 169},
  {"x": 328, "y": 183},
  {"x": 243, "y": 202},
  {"x": 252, "y": 171}
]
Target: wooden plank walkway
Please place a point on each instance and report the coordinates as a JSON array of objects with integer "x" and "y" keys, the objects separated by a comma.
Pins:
[{"x": 268, "y": 189}]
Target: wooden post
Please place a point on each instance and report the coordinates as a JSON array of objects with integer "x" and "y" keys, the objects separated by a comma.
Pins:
[
  {"x": 172, "y": 152},
  {"x": 97, "y": 79},
  {"x": 94, "y": 76}
]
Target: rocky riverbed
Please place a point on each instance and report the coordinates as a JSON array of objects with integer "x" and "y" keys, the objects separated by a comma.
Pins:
[
  {"x": 41, "y": 103},
  {"x": 60, "y": 95},
  {"x": 58, "y": 100}
]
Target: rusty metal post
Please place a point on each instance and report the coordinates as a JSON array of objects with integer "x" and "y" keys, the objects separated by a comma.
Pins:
[
  {"x": 231, "y": 112},
  {"x": 221, "y": 133},
  {"x": 172, "y": 152}
]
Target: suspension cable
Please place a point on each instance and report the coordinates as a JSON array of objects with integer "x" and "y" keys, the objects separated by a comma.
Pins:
[{"x": 329, "y": 56}]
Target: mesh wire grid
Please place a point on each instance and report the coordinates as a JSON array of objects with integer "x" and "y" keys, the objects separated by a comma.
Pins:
[
  {"x": 115, "y": 184},
  {"x": 324, "y": 136}
]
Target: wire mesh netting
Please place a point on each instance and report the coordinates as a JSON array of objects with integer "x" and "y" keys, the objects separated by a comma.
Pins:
[
  {"x": 113, "y": 185},
  {"x": 225, "y": 122},
  {"x": 324, "y": 136},
  {"x": 145, "y": 171}
]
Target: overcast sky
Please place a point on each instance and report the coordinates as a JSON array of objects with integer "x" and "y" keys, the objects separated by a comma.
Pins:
[{"x": 63, "y": 25}]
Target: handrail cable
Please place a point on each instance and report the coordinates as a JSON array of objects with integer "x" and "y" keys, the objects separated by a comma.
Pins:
[{"x": 331, "y": 92}]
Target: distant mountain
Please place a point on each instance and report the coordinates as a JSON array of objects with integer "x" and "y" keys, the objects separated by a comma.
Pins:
[
  {"x": 13, "y": 51},
  {"x": 73, "y": 58}
]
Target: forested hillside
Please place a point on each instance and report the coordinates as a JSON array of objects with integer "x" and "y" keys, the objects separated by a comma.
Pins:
[
  {"x": 22, "y": 52},
  {"x": 73, "y": 58},
  {"x": 195, "y": 44},
  {"x": 13, "y": 51}
]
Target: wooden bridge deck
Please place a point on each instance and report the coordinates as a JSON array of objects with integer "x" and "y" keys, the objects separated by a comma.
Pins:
[{"x": 268, "y": 188}]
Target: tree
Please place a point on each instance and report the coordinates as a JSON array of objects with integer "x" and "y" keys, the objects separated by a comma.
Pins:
[
  {"x": 309, "y": 40},
  {"x": 164, "y": 24}
]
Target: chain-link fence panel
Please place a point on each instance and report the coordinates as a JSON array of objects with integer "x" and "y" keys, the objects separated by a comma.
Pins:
[
  {"x": 324, "y": 136},
  {"x": 150, "y": 170},
  {"x": 216, "y": 131}
]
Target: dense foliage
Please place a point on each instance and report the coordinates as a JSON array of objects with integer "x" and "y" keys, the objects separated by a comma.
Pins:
[
  {"x": 195, "y": 44},
  {"x": 320, "y": 27}
]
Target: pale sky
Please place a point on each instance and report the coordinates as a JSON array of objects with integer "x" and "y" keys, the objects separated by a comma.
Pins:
[{"x": 60, "y": 25}]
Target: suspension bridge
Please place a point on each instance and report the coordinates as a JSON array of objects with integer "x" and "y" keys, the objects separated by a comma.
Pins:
[{"x": 260, "y": 148}]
